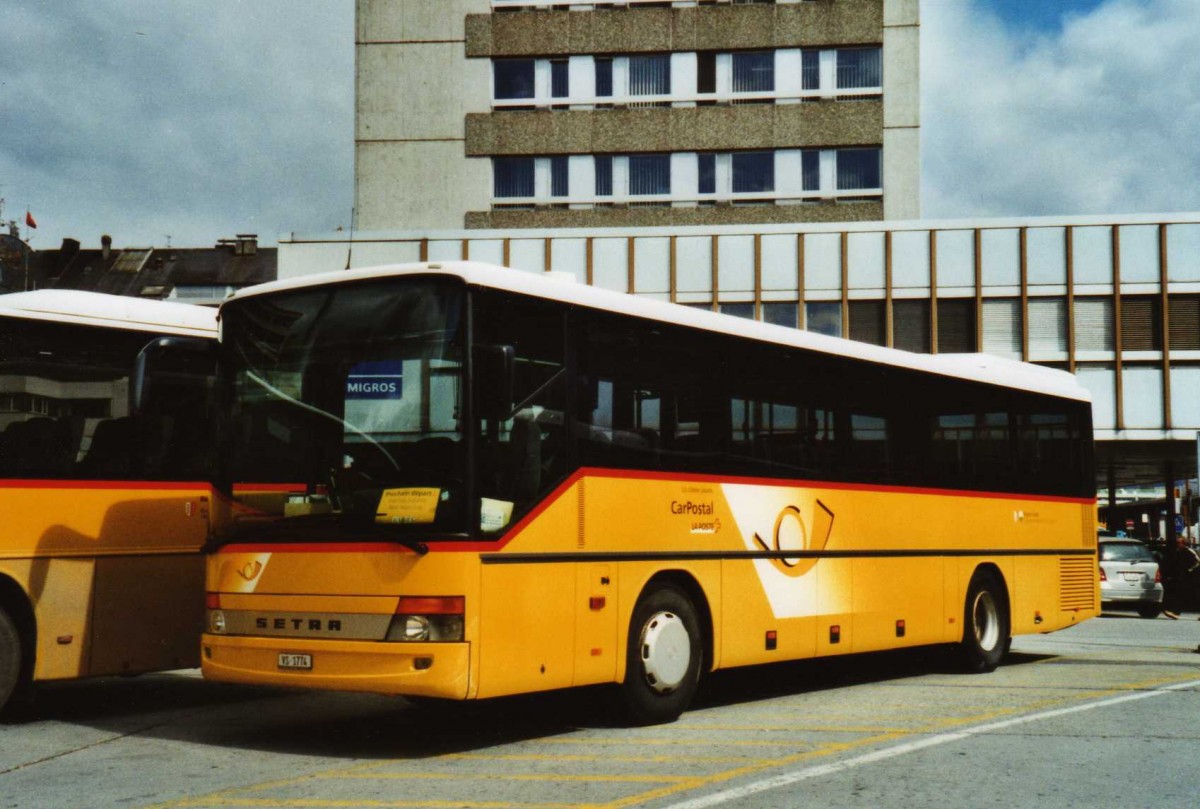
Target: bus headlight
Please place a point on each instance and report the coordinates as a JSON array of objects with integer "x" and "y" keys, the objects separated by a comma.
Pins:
[
  {"x": 216, "y": 621},
  {"x": 421, "y": 619}
]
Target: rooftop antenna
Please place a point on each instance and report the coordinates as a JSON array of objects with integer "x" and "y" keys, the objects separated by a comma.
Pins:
[
  {"x": 168, "y": 241},
  {"x": 350, "y": 244}
]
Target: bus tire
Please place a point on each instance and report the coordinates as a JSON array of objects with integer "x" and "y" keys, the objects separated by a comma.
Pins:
[
  {"x": 663, "y": 657},
  {"x": 986, "y": 630},
  {"x": 13, "y": 682}
]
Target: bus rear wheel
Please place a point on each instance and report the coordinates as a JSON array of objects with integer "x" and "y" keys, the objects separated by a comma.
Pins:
[
  {"x": 986, "y": 631},
  {"x": 663, "y": 657},
  {"x": 11, "y": 663}
]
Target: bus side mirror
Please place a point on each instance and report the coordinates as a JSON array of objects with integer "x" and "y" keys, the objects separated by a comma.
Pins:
[
  {"x": 179, "y": 358},
  {"x": 494, "y": 381}
]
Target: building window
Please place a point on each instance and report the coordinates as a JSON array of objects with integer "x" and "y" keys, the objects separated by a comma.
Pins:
[
  {"x": 513, "y": 176},
  {"x": 706, "y": 72},
  {"x": 560, "y": 78},
  {"x": 858, "y": 169},
  {"x": 1047, "y": 328},
  {"x": 1094, "y": 324},
  {"x": 781, "y": 314},
  {"x": 867, "y": 322},
  {"x": 649, "y": 174},
  {"x": 744, "y": 310},
  {"x": 604, "y": 175},
  {"x": 823, "y": 317},
  {"x": 753, "y": 172},
  {"x": 1141, "y": 323},
  {"x": 707, "y": 168},
  {"x": 859, "y": 68},
  {"x": 810, "y": 70},
  {"x": 604, "y": 76},
  {"x": 650, "y": 75},
  {"x": 754, "y": 72},
  {"x": 1002, "y": 327},
  {"x": 1184, "y": 326},
  {"x": 810, "y": 167},
  {"x": 513, "y": 78},
  {"x": 910, "y": 325},
  {"x": 559, "y": 177},
  {"x": 956, "y": 326}
]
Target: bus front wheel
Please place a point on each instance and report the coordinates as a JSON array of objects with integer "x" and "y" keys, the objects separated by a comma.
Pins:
[
  {"x": 986, "y": 632},
  {"x": 11, "y": 662},
  {"x": 664, "y": 656}
]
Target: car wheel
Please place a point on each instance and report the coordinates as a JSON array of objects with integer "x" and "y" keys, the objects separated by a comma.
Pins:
[
  {"x": 1149, "y": 610},
  {"x": 663, "y": 656},
  {"x": 986, "y": 632}
]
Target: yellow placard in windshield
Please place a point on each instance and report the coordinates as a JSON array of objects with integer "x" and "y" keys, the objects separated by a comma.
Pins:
[{"x": 408, "y": 505}]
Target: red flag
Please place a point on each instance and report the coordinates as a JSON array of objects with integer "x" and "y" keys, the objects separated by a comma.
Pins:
[{"x": 30, "y": 221}]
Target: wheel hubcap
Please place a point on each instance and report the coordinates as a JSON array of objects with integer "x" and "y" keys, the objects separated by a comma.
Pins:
[
  {"x": 987, "y": 621},
  {"x": 666, "y": 652}
]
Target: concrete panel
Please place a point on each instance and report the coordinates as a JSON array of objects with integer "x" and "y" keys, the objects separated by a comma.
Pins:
[
  {"x": 414, "y": 20},
  {"x": 659, "y": 217},
  {"x": 901, "y": 76},
  {"x": 902, "y": 174},
  {"x": 415, "y": 92},
  {"x": 417, "y": 185},
  {"x": 643, "y": 30},
  {"x": 690, "y": 129},
  {"x": 901, "y": 12}
]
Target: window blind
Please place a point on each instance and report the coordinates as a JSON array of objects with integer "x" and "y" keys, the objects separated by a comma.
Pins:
[
  {"x": 1002, "y": 327},
  {"x": 956, "y": 326},
  {"x": 866, "y": 322},
  {"x": 910, "y": 325},
  {"x": 858, "y": 169},
  {"x": 649, "y": 174},
  {"x": 1184, "y": 326},
  {"x": 754, "y": 72},
  {"x": 650, "y": 75},
  {"x": 859, "y": 67},
  {"x": 1094, "y": 324},
  {"x": 1141, "y": 325},
  {"x": 512, "y": 176},
  {"x": 1047, "y": 326}
]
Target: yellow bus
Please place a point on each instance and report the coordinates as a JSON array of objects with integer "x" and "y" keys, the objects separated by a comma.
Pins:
[
  {"x": 471, "y": 481},
  {"x": 103, "y": 512}
]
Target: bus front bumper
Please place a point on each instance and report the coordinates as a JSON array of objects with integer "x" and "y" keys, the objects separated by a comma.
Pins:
[{"x": 406, "y": 669}]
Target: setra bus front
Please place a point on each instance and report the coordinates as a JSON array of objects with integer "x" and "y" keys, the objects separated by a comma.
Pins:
[{"x": 338, "y": 562}]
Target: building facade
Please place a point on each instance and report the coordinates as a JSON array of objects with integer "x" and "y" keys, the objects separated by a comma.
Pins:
[{"x": 633, "y": 113}]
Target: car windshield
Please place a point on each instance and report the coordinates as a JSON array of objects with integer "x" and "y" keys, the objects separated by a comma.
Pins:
[
  {"x": 1125, "y": 552},
  {"x": 344, "y": 410}
]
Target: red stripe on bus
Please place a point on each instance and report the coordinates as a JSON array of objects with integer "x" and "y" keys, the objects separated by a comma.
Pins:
[{"x": 106, "y": 485}]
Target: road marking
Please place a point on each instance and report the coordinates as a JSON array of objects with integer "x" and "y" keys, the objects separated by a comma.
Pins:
[{"x": 786, "y": 779}]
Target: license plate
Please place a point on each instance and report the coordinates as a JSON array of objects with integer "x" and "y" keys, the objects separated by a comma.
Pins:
[
  {"x": 1131, "y": 576},
  {"x": 295, "y": 661}
]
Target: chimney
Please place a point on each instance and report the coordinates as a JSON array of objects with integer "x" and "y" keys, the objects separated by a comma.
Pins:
[{"x": 105, "y": 246}]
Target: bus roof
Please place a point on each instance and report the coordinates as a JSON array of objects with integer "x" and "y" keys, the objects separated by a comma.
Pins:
[
  {"x": 112, "y": 311},
  {"x": 985, "y": 368}
]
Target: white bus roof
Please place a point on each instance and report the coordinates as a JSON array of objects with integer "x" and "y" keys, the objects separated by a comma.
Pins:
[
  {"x": 112, "y": 311},
  {"x": 978, "y": 367}
]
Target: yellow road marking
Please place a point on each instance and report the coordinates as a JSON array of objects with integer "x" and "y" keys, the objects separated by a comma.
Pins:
[
  {"x": 225, "y": 798},
  {"x": 438, "y": 776}
]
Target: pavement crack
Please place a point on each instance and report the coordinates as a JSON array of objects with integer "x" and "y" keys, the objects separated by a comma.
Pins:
[{"x": 63, "y": 754}]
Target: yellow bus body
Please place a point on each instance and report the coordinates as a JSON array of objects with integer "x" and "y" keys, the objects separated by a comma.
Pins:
[{"x": 549, "y": 605}]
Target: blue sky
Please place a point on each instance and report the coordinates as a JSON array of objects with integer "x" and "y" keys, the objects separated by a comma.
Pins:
[
  {"x": 199, "y": 121},
  {"x": 1042, "y": 16}
]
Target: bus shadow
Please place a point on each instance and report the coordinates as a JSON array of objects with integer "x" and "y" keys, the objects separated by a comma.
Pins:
[{"x": 371, "y": 727}]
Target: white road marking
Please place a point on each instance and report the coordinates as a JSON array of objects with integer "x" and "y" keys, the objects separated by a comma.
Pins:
[{"x": 806, "y": 773}]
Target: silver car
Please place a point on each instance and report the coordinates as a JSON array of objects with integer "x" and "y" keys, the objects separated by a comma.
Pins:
[{"x": 1129, "y": 576}]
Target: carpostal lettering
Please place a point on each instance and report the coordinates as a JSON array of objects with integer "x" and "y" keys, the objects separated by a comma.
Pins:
[
  {"x": 311, "y": 624},
  {"x": 692, "y": 509}
]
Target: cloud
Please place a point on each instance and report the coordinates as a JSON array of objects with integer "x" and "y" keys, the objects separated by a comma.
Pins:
[
  {"x": 194, "y": 120},
  {"x": 1098, "y": 118}
]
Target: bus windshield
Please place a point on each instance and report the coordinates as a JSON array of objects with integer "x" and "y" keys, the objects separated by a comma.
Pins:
[{"x": 344, "y": 407}]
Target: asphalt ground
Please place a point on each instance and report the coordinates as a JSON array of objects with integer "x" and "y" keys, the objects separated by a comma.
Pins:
[{"x": 1104, "y": 714}]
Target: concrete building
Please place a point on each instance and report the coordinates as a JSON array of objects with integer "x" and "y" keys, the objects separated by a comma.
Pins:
[
  {"x": 589, "y": 113},
  {"x": 1114, "y": 300}
]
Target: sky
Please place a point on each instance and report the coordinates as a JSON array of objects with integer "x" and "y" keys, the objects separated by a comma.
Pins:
[{"x": 197, "y": 121}]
